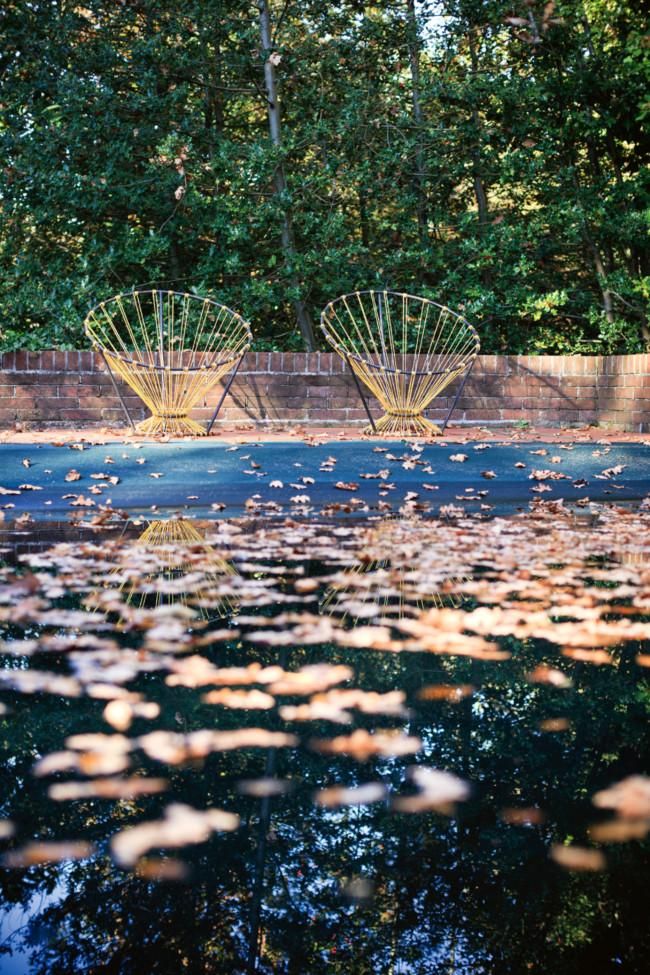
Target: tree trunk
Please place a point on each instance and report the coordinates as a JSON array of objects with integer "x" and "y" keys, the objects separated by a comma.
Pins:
[
  {"x": 599, "y": 268},
  {"x": 303, "y": 316},
  {"x": 214, "y": 101},
  {"x": 363, "y": 217},
  {"x": 421, "y": 174},
  {"x": 479, "y": 185}
]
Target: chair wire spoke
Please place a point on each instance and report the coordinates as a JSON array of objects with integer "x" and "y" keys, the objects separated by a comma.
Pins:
[
  {"x": 405, "y": 349},
  {"x": 171, "y": 349}
]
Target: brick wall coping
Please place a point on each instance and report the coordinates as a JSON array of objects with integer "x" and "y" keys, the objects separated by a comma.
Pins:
[{"x": 325, "y": 363}]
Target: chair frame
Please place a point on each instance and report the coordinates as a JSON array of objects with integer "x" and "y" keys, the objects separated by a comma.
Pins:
[
  {"x": 235, "y": 359},
  {"x": 348, "y": 356}
]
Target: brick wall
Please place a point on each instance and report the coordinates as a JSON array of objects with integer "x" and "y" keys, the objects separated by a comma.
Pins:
[{"x": 74, "y": 389}]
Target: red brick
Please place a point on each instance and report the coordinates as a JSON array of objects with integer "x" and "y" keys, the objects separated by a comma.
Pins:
[
  {"x": 78, "y": 414},
  {"x": 317, "y": 387},
  {"x": 43, "y": 378}
]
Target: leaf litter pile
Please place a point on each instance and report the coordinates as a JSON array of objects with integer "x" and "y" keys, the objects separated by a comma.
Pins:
[{"x": 395, "y": 671}]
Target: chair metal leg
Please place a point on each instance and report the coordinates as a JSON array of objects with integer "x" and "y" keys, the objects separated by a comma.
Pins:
[
  {"x": 458, "y": 395},
  {"x": 117, "y": 390},
  {"x": 224, "y": 394},
  {"x": 363, "y": 398}
]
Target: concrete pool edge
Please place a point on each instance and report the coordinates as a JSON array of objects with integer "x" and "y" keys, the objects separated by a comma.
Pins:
[{"x": 234, "y": 435}]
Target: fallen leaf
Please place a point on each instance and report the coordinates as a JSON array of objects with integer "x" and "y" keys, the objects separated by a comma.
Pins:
[
  {"x": 179, "y": 826},
  {"x": 578, "y": 857}
]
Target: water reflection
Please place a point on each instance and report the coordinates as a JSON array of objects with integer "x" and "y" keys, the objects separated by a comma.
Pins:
[
  {"x": 180, "y": 567},
  {"x": 385, "y": 580},
  {"x": 407, "y": 828}
]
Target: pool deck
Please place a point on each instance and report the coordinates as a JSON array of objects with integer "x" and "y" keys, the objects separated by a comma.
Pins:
[{"x": 311, "y": 434}]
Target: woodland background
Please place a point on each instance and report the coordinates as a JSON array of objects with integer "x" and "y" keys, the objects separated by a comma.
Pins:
[{"x": 487, "y": 154}]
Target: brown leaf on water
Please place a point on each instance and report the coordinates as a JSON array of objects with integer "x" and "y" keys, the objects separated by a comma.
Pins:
[
  {"x": 363, "y": 745},
  {"x": 620, "y": 830},
  {"x": 555, "y": 724},
  {"x": 446, "y": 692},
  {"x": 90, "y": 754},
  {"x": 7, "y": 829},
  {"x": 248, "y": 700},
  {"x": 82, "y": 502},
  {"x": 107, "y": 789},
  {"x": 577, "y": 857},
  {"x": 98, "y": 763},
  {"x": 266, "y": 786},
  {"x": 306, "y": 585},
  {"x": 359, "y": 795},
  {"x": 543, "y": 674},
  {"x": 180, "y": 826},
  {"x": 346, "y": 486},
  {"x": 40, "y": 681},
  {"x": 523, "y": 816},
  {"x": 311, "y": 679},
  {"x": 98, "y": 742},
  {"x": 120, "y": 712},
  {"x": 367, "y": 702},
  {"x": 547, "y": 475},
  {"x": 630, "y": 797},
  {"x": 197, "y": 671},
  {"x": 72, "y": 475},
  {"x": 598, "y": 657},
  {"x": 611, "y": 472},
  {"x": 314, "y": 711},
  {"x": 438, "y": 791},
  {"x": 47, "y": 852},
  {"x": 173, "y": 748},
  {"x": 367, "y": 638},
  {"x": 59, "y": 761},
  {"x": 163, "y": 869},
  {"x": 441, "y": 631}
]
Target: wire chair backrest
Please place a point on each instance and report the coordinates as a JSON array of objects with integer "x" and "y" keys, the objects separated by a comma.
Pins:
[
  {"x": 398, "y": 332},
  {"x": 168, "y": 330}
]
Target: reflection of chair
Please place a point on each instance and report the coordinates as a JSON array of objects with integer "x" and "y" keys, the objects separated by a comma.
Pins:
[
  {"x": 179, "y": 550},
  {"x": 383, "y": 583},
  {"x": 405, "y": 349},
  {"x": 171, "y": 349}
]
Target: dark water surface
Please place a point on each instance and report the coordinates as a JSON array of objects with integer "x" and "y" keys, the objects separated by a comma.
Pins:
[{"x": 446, "y": 876}]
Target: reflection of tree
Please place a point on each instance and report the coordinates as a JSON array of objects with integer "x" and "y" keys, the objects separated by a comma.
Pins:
[
  {"x": 468, "y": 895},
  {"x": 303, "y": 889}
]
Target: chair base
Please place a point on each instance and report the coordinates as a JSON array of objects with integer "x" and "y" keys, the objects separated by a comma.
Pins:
[
  {"x": 177, "y": 426},
  {"x": 400, "y": 425}
]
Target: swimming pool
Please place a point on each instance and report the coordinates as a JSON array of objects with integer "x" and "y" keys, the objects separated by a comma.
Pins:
[
  {"x": 361, "y": 475},
  {"x": 391, "y": 743}
]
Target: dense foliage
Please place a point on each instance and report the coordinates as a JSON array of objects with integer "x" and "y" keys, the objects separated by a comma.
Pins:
[{"x": 487, "y": 153}]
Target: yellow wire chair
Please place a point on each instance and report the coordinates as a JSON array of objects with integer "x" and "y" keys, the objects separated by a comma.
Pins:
[
  {"x": 406, "y": 350},
  {"x": 171, "y": 348}
]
